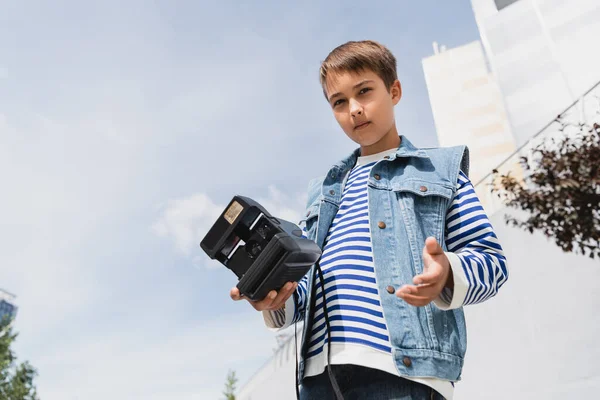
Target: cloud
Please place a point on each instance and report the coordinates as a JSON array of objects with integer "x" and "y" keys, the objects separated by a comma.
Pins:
[
  {"x": 186, "y": 221},
  {"x": 53, "y": 198},
  {"x": 90, "y": 146},
  {"x": 69, "y": 186},
  {"x": 284, "y": 206},
  {"x": 188, "y": 363},
  {"x": 82, "y": 163}
]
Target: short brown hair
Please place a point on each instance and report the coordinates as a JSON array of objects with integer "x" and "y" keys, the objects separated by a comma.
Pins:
[{"x": 358, "y": 57}]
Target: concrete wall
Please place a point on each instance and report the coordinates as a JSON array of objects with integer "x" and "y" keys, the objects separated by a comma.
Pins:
[{"x": 538, "y": 339}]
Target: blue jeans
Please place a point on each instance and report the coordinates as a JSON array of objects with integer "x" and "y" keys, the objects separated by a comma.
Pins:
[{"x": 358, "y": 383}]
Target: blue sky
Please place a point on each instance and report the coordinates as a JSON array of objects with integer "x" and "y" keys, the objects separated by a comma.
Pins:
[{"x": 125, "y": 127}]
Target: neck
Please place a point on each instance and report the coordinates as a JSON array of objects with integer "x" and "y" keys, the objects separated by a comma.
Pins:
[{"x": 389, "y": 141}]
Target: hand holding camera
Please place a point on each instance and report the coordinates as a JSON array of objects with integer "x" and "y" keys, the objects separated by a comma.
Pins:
[
  {"x": 268, "y": 255},
  {"x": 274, "y": 300}
]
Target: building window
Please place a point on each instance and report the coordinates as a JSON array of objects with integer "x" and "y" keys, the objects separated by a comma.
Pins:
[{"x": 500, "y": 4}]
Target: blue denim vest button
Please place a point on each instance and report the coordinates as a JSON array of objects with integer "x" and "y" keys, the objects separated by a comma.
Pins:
[
  {"x": 381, "y": 225},
  {"x": 390, "y": 289},
  {"x": 332, "y": 192},
  {"x": 377, "y": 177},
  {"x": 407, "y": 362}
]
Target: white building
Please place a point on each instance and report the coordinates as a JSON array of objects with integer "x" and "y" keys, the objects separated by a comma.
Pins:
[
  {"x": 530, "y": 342},
  {"x": 7, "y": 305},
  {"x": 467, "y": 106},
  {"x": 544, "y": 54}
]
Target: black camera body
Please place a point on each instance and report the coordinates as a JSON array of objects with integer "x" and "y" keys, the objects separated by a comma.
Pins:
[{"x": 262, "y": 251}]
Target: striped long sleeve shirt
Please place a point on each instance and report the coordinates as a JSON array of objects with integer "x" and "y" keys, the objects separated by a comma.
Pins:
[{"x": 476, "y": 259}]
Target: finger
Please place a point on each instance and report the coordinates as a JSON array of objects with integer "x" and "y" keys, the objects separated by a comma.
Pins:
[
  {"x": 432, "y": 274},
  {"x": 284, "y": 294},
  {"x": 412, "y": 296},
  {"x": 235, "y": 294},
  {"x": 416, "y": 300},
  {"x": 426, "y": 291},
  {"x": 432, "y": 247},
  {"x": 265, "y": 304}
]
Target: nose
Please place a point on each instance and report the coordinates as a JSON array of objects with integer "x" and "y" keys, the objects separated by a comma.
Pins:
[{"x": 355, "y": 108}]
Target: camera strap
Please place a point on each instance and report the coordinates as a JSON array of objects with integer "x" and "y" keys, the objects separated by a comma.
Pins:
[{"x": 308, "y": 320}]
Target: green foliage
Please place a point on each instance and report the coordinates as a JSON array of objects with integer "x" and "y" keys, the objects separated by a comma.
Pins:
[
  {"x": 16, "y": 380},
  {"x": 230, "y": 384},
  {"x": 560, "y": 190}
]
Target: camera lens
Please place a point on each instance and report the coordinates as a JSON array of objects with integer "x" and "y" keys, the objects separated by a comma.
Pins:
[
  {"x": 253, "y": 249},
  {"x": 263, "y": 230}
]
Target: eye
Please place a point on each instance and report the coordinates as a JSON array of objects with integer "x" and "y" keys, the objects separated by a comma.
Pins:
[
  {"x": 337, "y": 102},
  {"x": 364, "y": 90}
]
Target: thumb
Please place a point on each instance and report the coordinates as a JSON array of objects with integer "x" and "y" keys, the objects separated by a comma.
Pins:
[
  {"x": 432, "y": 247},
  {"x": 235, "y": 294}
]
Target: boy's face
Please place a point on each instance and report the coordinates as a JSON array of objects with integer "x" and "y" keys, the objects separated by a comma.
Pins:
[{"x": 364, "y": 108}]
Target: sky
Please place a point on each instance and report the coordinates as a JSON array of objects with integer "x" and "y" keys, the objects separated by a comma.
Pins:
[{"x": 125, "y": 128}]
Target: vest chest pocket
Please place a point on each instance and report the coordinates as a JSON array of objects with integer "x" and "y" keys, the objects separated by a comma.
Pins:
[{"x": 423, "y": 204}]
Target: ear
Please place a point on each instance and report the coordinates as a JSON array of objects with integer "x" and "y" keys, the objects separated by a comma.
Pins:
[{"x": 396, "y": 91}]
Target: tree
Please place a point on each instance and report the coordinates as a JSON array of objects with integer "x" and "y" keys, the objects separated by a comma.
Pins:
[
  {"x": 16, "y": 381},
  {"x": 230, "y": 383},
  {"x": 560, "y": 189}
]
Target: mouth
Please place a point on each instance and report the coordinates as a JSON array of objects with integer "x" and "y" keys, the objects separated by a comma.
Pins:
[{"x": 362, "y": 126}]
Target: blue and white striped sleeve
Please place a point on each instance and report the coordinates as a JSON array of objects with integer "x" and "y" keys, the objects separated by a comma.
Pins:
[
  {"x": 476, "y": 258},
  {"x": 284, "y": 317}
]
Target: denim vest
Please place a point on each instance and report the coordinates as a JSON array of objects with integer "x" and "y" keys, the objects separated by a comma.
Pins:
[{"x": 409, "y": 194}]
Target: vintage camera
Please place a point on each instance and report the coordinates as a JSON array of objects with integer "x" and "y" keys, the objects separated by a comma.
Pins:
[{"x": 262, "y": 251}]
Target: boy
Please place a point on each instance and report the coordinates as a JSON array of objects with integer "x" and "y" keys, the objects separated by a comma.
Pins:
[{"x": 405, "y": 244}]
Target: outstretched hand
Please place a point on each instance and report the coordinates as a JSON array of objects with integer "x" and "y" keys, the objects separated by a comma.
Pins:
[{"x": 436, "y": 275}]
